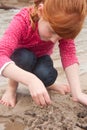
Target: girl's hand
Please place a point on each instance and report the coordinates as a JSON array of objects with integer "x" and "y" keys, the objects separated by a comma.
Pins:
[
  {"x": 82, "y": 98},
  {"x": 39, "y": 92}
]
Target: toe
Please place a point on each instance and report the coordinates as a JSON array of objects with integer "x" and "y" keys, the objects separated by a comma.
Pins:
[
  {"x": 6, "y": 104},
  {"x": 1, "y": 102},
  {"x": 68, "y": 89},
  {"x": 12, "y": 104},
  {"x": 62, "y": 92}
]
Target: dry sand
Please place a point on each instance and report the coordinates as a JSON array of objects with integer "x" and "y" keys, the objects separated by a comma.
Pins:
[{"x": 63, "y": 114}]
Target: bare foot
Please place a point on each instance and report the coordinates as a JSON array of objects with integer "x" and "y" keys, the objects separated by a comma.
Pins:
[
  {"x": 62, "y": 89},
  {"x": 9, "y": 98}
]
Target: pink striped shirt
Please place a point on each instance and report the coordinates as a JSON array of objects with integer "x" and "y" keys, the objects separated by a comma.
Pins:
[{"x": 20, "y": 34}]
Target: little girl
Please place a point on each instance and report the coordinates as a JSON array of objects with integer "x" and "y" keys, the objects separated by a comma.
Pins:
[{"x": 27, "y": 44}]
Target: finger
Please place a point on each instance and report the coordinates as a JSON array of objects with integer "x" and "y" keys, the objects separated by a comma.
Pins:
[
  {"x": 42, "y": 100},
  {"x": 36, "y": 100},
  {"x": 74, "y": 99},
  {"x": 47, "y": 98}
]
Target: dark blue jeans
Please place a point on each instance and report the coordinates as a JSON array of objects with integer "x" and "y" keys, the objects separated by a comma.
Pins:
[{"x": 42, "y": 67}]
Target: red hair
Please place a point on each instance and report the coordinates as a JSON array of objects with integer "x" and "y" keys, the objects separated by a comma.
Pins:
[
  {"x": 34, "y": 14},
  {"x": 66, "y": 17}
]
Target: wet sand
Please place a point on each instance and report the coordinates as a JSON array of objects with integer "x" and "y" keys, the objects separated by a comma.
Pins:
[{"x": 63, "y": 114}]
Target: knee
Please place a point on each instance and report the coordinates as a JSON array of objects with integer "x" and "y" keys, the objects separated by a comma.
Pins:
[
  {"x": 24, "y": 58},
  {"x": 45, "y": 71},
  {"x": 46, "y": 75}
]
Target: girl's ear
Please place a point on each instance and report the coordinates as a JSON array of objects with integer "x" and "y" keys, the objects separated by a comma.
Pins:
[{"x": 40, "y": 9}]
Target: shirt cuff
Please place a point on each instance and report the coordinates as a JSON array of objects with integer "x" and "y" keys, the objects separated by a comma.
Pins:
[{"x": 3, "y": 67}]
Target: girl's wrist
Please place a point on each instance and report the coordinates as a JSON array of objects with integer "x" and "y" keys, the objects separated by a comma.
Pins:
[{"x": 31, "y": 78}]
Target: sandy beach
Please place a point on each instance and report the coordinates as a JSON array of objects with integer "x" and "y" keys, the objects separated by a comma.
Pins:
[{"x": 63, "y": 114}]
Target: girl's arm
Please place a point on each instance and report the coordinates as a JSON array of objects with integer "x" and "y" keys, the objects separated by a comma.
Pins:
[
  {"x": 73, "y": 79},
  {"x": 35, "y": 85},
  {"x": 70, "y": 64}
]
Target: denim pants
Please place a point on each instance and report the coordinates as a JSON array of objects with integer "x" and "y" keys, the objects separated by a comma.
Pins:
[{"x": 42, "y": 67}]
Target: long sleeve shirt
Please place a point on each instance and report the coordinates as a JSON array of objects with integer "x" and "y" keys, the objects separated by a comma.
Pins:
[{"x": 20, "y": 34}]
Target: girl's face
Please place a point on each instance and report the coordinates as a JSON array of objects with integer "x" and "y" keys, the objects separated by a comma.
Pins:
[{"x": 46, "y": 32}]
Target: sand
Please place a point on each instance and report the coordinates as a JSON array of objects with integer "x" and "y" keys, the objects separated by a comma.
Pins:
[{"x": 63, "y": 114}]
